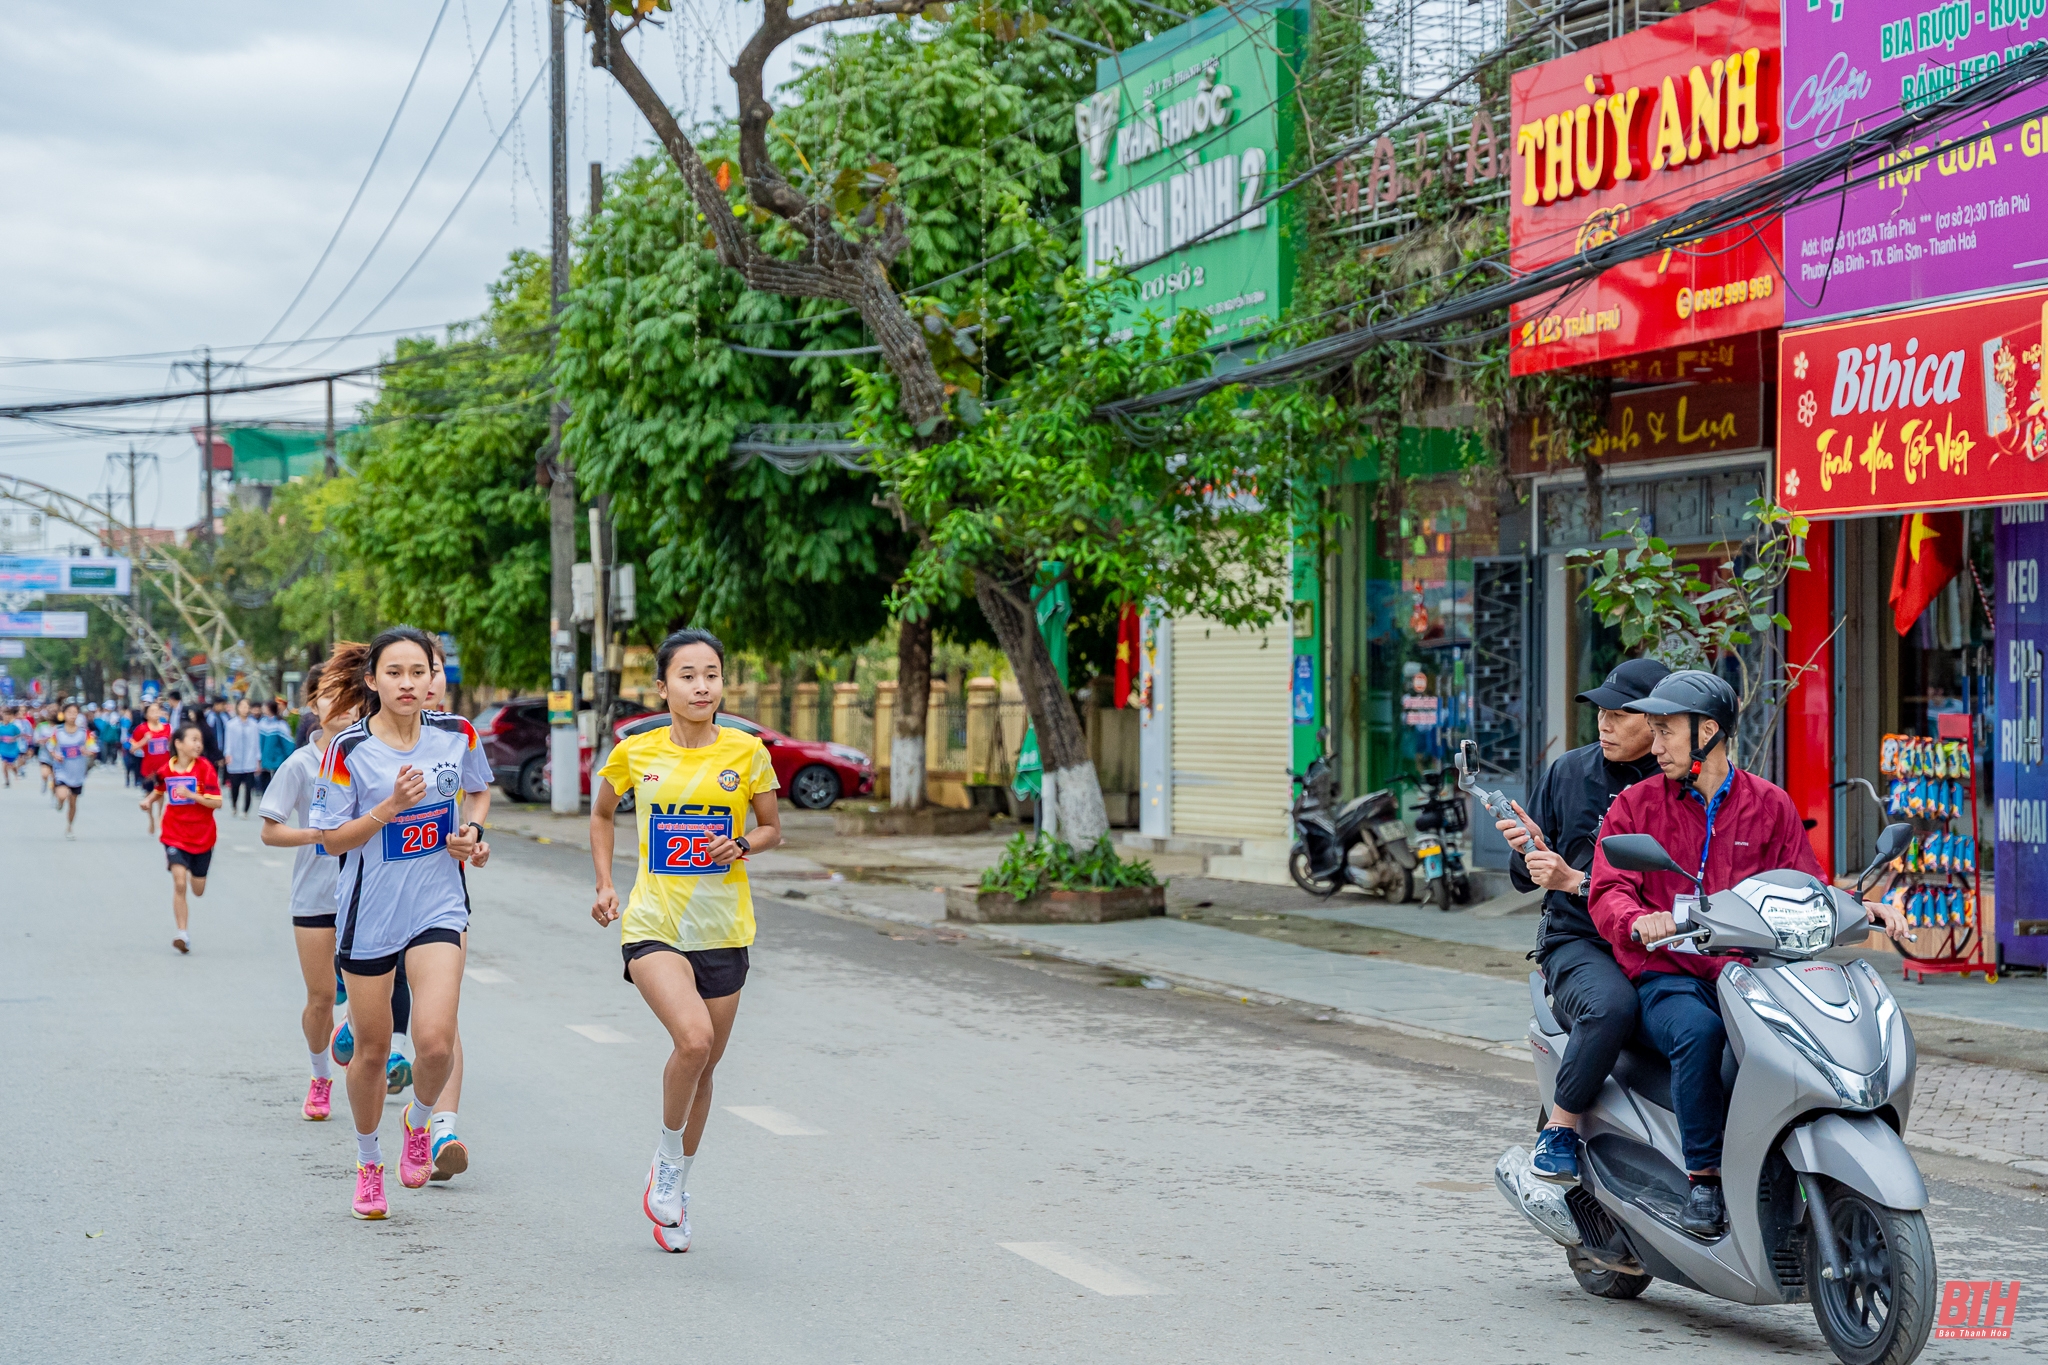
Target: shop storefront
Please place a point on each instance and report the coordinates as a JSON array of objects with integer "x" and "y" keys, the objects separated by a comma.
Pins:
[{"x": 1918, "y": 435}]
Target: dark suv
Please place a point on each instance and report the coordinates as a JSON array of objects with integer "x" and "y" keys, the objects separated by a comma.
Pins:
[{"x": 515, "y": 738}]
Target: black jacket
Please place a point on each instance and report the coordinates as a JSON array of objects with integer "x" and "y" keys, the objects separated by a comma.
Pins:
[{"x": 1570, "y": 800}]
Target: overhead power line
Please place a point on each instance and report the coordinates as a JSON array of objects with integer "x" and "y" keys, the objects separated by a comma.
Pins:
[
  {"x": 439, "y": 137},
  {"x": 1749, "y": 205},
  {"x": 375, "y": 158}
]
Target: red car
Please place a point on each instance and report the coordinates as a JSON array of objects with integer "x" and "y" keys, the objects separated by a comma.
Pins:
[{"x": 814, "y": 773}]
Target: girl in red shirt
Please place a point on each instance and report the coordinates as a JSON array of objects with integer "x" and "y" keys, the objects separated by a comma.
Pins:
[
  {"x": 192, "y": 792},
  {"x": 151, "y": 741}
]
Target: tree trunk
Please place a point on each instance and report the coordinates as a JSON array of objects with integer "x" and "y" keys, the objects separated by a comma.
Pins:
[
  {"x": 1079, "y": 817},
  {"x": 913, "y": 703}
]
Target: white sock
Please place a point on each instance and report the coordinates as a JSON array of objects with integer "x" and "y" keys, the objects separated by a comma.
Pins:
[
  {"x": 320, "y": 1071},
  {"x": 417, "y": 1115},
  {"x": 444, "y": 1125},
  {"x": 401, "y": 1046},
  {"x": 671, "y": 1149},
  {"x": 185, "y": 934},
  {"x": 368, "y": 1150},
  {"x": 688, "y": 1162}
]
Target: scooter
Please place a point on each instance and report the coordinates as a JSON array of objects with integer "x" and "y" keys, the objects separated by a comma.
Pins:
[
  {"x": 1362, "y": 843},
  {"x": 1820, "y": 1073},
  {"x": 1437, "y": 824}
]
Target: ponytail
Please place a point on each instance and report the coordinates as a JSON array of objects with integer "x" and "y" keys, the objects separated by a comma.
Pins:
[{"x": 344, "y": 679}]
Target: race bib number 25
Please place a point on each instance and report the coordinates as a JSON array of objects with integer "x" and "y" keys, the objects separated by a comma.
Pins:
[
  {"x": 417, "y": 832},
  {"x": 680, "y": 845}
]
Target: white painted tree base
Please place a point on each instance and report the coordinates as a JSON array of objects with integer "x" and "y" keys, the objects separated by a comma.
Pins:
[{"x": 906, "y": 772}]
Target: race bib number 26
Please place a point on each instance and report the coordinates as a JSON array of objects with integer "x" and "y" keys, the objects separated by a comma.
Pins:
[
  {"x": 417, "y": 832},
  {"x": 680, "y": 845}
]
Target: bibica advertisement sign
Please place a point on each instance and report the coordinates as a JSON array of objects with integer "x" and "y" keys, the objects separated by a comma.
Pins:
[
  {"x": 1184, "y": 133},
  {"x": 1953, "y": 215},
  {"x": 64, "y": 574},
  {"x": 1936, "y": 407},
  {"x": 1615, "y": 138}
]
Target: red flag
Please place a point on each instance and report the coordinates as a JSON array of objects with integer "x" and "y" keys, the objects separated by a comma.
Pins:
[
  {"x": 1126, "y": 654},
  {"x": 1930, "y": 554}
]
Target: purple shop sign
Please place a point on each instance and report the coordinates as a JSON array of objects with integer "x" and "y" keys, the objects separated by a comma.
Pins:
[
  {"x": 1968, "y": 216},
  {"x": 2019, "y": 783}
]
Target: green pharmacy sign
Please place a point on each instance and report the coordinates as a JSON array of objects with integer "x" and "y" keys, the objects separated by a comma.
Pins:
[{"x": 1182, "y": 138}]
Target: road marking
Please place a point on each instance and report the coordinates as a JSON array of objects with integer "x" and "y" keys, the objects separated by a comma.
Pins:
[
  {"x": 490, "y": 976},
  {"x": 273, "y": 862},
  {"x": 601, "y": 1033},
  {"x": 774, "y": 1120},
  {"x": 1087, "y": 1271}
]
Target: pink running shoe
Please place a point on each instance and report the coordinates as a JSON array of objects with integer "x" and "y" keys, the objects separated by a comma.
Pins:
[
  {"x": 319, "y": 1098},
  {"x": 416, "y": 1162},
  {"x": 370, "y": 1191}
]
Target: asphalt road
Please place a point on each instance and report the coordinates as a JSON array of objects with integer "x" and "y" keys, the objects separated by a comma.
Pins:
[{"x": 995, "y": 1159}]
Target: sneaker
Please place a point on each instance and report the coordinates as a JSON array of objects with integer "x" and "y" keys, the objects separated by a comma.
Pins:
[
  {"x": 417, "y": 1159},
  {"x": 1556, "y": 1158},
  {"x": 663, "y": 1201},
  {"x": 397, "y": 1073},
  {"x": 178, "y": 941},
  {"x": 319, "y": 1098},
  {"x": 1705, "y": 1213},
  {"x": 675, "y": 1238},
  {"x": 370, "y": 1191},
  {"x": 343, "y": 1048},
  {"x": 451, "y": 1158}
]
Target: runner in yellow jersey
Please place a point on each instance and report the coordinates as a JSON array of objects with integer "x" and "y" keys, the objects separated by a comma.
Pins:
[{"x": 691, "y": 916}]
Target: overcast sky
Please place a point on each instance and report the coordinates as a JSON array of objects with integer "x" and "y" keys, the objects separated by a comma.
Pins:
[{"x": 173, "y": 173}]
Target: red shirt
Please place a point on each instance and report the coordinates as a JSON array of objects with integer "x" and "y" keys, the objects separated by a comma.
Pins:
[
  {"x": 155, "y": 743},
  {"x": 1756, "y": 828},
  {"x": 187, "y": 824}
]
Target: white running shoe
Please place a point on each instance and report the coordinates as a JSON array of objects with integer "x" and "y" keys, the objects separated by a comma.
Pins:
[
  {"x": 675, "y": 1238},
  {"x": 663, "y": 1201}
]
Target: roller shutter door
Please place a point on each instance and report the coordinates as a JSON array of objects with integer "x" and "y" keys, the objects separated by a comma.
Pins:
[{"x": 1232, "y": 735}]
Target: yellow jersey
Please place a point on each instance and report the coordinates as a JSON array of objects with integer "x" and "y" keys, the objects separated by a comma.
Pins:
[{"x": 683, "y": 798}]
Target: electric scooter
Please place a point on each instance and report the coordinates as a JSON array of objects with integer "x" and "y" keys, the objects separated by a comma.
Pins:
[
  {"x": 1361, "y": 843},
  {"x": 1825, "y": 1204}
]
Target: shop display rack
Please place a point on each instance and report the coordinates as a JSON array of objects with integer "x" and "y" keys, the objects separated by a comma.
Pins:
[{"x": 1938, "y": 882}]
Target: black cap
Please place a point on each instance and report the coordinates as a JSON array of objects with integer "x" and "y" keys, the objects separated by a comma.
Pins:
[
  {"x": 1629, "y": 682},
  {"x": 1692, "y": 691}
]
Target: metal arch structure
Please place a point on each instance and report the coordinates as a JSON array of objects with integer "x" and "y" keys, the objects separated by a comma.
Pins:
[{"x": 197, "y": 605}]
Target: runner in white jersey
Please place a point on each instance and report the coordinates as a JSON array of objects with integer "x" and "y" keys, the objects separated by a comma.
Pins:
[
  {"x": 314, "y": 873},
  {"x": 70, "y": 749},
  {"x": 403, "y": 792},
  {"x": 451, "y": 1154}
]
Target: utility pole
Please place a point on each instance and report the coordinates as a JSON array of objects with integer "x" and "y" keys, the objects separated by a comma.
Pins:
[
  {"x": 566, "y": 795},
  {"x": 333, "y": 457},
  {"x": 600, "y": 629},
  {"x": 206, "y": 458}
]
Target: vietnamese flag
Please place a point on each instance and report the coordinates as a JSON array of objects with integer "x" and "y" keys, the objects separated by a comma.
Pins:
[
  {"x": 1930, "y": 554},
  {"x": 1126, "y": 654}
]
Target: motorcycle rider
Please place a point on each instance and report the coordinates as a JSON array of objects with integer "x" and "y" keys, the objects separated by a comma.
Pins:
[
  {"x": 1730, "y": 825},
  {"x": 1588, "y": 991}
]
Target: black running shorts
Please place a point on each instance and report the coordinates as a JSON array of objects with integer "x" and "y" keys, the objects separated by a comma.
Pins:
[
  {"x": 194, "y": 863},
  {"x": 384, "y": 966},
  {"x": 720, "y": 971}
]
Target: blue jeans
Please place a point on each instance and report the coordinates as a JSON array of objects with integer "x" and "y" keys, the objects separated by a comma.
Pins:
[{"x": 1681, "y": 1018}]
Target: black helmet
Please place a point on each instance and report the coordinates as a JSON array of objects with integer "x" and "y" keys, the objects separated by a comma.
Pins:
[{"x": 1694, "y": 692}]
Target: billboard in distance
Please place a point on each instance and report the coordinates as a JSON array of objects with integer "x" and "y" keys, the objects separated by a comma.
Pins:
[
  {"x": 106, "y": 577},
  {"x": 1618, "y": 136},
  {"x": 1964, "y": 212},
  {"x": 42, "y": 625}
]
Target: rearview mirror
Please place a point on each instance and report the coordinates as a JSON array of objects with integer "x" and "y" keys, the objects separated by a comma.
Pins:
[
  {"x": 1639, "y": 853},
  {"x": 1893, "y": 841}
]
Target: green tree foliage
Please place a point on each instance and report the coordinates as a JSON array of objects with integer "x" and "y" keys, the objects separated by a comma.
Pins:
[
  {"x": 285, "y": 573},
  {"x": 947, "y": 119},
  {"x": 441, "y": 512}
]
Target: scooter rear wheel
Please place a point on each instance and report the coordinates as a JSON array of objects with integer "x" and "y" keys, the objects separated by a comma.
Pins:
[
  {"x": 1610, "y": 1284},
  {"x": 1881, "y": 1310}
]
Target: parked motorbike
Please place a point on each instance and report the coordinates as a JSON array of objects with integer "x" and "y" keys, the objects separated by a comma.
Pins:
[
  {"x": 1362, "y": 843},
  {"x": 1820, "y": 1069},
  {"x": 1441, "y": 818}
]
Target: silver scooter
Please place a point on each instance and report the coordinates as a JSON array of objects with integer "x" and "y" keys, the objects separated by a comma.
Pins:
[{"x": 1824, "y": 1201}]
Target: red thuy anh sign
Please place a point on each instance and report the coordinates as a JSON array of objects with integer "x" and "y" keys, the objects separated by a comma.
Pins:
[
  {"x": 1939, "y": 407},
  {"x": 1622, "y": 135}
]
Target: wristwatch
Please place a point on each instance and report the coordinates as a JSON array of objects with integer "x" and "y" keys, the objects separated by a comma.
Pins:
[
  {"x": 477, "y": 827},
  {"x": 745, "y": 847}
]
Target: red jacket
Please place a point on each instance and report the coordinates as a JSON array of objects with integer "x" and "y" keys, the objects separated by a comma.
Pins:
[{"x": 1756, "y": 828}]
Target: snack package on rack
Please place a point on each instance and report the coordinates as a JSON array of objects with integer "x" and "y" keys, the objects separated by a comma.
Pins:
[
  {"x": 1888, "y": 756},
  {"x": 1969, "y": 855}
]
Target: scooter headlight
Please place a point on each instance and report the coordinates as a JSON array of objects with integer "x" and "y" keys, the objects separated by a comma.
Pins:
[{"x": 1806, "y": 925}]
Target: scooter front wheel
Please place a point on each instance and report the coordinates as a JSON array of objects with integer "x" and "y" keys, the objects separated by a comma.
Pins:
[
  {"x": 1881, "y": 1310},
  {"x": 1608, "y": 1284},
  {"x": 1298, "y": 867},
  {"x": 1440, "y": 892}
]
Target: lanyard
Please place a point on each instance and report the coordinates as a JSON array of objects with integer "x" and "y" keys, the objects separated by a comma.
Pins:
[{"x": 1713, "y": 809}]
